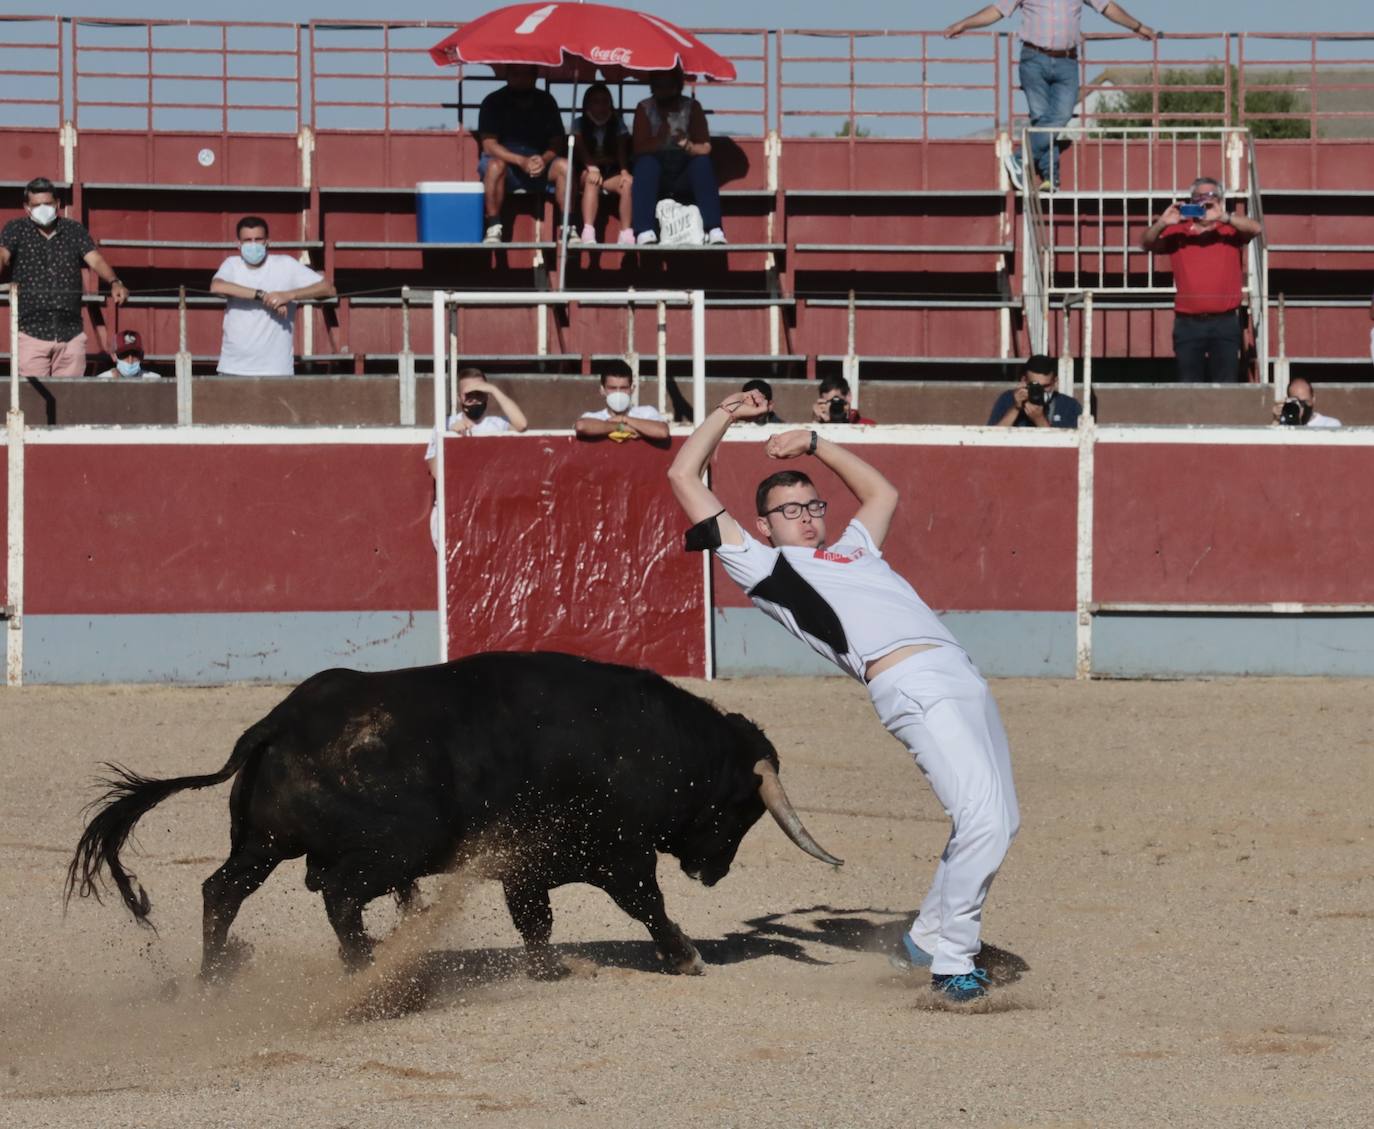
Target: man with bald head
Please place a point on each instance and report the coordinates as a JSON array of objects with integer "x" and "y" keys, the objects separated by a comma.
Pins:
[{"x": 1299, "y": 409}]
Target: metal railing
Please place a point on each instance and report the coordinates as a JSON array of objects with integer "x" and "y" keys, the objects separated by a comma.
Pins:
[{"x": 33, "y": 78}]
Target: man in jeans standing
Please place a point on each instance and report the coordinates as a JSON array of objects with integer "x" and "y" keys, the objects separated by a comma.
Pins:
[{"x": 1049, "y": 67}]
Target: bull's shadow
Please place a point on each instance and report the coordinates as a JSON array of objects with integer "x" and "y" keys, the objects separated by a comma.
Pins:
[{"x": 442, "y": 976}]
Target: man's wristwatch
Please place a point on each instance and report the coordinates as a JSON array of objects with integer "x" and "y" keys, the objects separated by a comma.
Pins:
[{"x": 811, "y": 447}]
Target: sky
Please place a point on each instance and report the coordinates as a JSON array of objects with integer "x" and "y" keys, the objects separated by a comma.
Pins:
[{"x": 1177, "y": 15}]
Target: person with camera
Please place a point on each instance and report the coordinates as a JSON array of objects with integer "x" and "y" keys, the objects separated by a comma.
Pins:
[
  {"x": 833, "y": 406},
  {"x": 1035, "y": 402},
  {"x": 846, "y": 602},
  {"x": 764, "y": 389},
  {"x": 1203, "y": 241},
  {"x": 1299, "y": 409}
]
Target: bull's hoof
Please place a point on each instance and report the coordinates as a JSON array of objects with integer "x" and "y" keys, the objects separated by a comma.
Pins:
[
  {"x": 691, "y": 965},
  {"x": 221, "y": 967}
]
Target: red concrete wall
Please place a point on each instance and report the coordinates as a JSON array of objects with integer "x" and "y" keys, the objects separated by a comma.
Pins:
[
  {"x": 148, "y": 529},
  {"x": 979, "y": 528},
  {"x": 1231, "y": 524}
]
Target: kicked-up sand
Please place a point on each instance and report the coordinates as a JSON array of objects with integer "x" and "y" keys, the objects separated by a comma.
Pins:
[{"x": 1182, "y": 935}]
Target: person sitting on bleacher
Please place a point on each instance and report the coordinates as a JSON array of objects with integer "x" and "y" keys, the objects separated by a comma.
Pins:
[
  {"x": 520, "y": 131},
  {"x": 672, "y": 146},
  {"x": 1034, "y": 401},
  {"x": 128, "y": 355},
  {"x": 601, "y": 146},
  {"x": 261, "y": 292},
  {"x": 833, "y": 406}
]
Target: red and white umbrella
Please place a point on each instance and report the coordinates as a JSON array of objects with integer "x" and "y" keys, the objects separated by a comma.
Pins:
[{"x": 575, "y": 40}]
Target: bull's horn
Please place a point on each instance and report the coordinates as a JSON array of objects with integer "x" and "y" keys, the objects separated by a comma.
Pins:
[{"x": 781, "y": 809}]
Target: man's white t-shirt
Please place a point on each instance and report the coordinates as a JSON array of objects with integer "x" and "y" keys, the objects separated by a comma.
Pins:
[
  {"x": 875, "y": 609},
  {"x": 487, "y": 425},
  {"x": 256, "y": 341},
  {"x": 639, "y": 411},
  {"x": 1319, "y": 420}
]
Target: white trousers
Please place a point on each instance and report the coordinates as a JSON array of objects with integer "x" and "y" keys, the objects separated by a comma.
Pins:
[{"x": 938, "y": 706}]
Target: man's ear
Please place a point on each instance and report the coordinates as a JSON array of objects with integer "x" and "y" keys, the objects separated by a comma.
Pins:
[{"x": 762, "y": 525}]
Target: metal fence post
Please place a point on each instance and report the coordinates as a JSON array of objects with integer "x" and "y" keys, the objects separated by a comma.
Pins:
[
  {"x": 183, "y": 364},
  {"x": 14, "y": 434},
  {"x": 405, "y": 364}
]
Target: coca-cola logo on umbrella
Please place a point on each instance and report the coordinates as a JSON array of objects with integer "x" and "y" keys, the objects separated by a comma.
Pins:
[{"x": 613, "y": 56}]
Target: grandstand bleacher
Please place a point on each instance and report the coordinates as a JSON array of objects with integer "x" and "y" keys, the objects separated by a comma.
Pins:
[{"x": 898, "y": 254}]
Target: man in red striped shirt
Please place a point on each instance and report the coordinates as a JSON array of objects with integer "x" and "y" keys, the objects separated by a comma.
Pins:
[{"x": 1205, "y": 255}]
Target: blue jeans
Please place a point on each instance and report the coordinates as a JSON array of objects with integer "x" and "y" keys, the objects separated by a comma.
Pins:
[
  {"x": 695, "y": 180},
  {"x": 1050, "y": 85}
]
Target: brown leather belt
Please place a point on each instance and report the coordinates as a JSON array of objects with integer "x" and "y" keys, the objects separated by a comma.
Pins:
[{"x": 1062, "y": 53}]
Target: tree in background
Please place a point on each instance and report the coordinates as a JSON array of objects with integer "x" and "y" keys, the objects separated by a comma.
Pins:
[{"x": 1177, "y": 107}]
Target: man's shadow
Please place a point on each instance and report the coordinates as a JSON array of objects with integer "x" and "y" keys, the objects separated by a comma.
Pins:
[{"x": 441, "y": 976}]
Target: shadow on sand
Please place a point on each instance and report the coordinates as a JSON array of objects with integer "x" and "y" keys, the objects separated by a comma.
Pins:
[{"x": 439, "y": 977}]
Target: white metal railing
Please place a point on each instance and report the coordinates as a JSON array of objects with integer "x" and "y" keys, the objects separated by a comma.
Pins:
[{"x": 1114, "y": 171}]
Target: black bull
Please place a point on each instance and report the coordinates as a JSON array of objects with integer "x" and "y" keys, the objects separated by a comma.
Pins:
[{"x": 553, "y": 769}]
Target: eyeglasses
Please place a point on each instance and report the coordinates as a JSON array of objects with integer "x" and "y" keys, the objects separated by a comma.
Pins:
[{"x": 793, "y": 510}]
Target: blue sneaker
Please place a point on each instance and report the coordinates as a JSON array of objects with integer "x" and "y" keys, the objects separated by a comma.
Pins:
[
  {"x": 962, "y": 987},
  {"x": 911, "y": 957}
]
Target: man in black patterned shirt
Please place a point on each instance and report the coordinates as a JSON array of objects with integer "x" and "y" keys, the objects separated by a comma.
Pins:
[{"x": 45, "y": 254}]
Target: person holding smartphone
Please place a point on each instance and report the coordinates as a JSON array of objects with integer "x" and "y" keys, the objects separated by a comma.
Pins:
[{"x": 1203, "y": 240}]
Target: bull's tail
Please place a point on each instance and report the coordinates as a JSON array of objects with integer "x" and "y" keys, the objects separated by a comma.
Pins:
[{"x": 130, "y": 797}]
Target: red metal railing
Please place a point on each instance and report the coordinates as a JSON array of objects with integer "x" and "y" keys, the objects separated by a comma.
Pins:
[
  {"x": 27, "y": 64},
  {"x": 108, "y": 52},
  {"x": 838, "y": 85},
  {"x": 251, "y": 77}
]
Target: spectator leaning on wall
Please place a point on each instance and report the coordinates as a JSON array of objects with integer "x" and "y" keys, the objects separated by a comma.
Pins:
[
  {"x": 621, "y": 419},
  {"x": 1205, "y": 256},
  {"x": 1035, "y": 402},
  {"x": 45, "y": 253},
  {"x": 261, "y": 292}
]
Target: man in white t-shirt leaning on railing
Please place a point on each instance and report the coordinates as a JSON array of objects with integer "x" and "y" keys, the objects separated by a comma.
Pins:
[{"x": 261, "y": 292}]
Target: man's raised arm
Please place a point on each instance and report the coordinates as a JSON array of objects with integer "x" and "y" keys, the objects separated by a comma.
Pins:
[
  {"x": 878, "y": 498},
  {"x": 693, "y": 495}
]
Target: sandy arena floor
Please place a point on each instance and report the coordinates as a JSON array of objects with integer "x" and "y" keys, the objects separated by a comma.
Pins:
[{"x": 1182, "y": 932}]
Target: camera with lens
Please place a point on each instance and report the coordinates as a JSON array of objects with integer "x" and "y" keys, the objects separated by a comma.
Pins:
[
  {"x": 839, "y": 410},
  {"x": 1295, "y": 413},
  {"x": 1035, "y": 393}
]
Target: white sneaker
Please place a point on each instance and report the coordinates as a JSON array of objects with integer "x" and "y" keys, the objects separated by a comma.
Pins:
[
  {"x": 646, "y": 237},
  {"x": 493, "y": 234},
  {"x": 715, "y": 237},
  {"x": 626, "y": 238},
  {"x": 588, "y": 233},
  {"x": 574, "y": 239}
]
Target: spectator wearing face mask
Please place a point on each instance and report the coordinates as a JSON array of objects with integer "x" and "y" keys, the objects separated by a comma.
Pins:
[
  {"x": 45, "y": 253},
  {"x": 261, "y": 292},
  {"x": 475, "y": 396},
  {"x": 621, "y": 419},
  {"x": 128, "y": 355}
]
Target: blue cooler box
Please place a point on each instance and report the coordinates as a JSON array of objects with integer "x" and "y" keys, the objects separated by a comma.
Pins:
[{"x": 448, "y": 211}]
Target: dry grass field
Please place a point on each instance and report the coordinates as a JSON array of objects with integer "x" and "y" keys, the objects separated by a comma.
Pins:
[{"x": 1181, "y": 936}]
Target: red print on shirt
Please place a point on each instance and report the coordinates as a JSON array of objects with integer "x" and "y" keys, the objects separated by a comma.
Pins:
[{"x": 838, "y": 558}]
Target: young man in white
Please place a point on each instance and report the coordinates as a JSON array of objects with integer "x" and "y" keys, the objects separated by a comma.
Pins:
[
  {"x": 849, "y": 606},
  {"x": 262, "y": 292},
  {"x": 621, "y": 419},
  {"x": 475, "y": 395}
]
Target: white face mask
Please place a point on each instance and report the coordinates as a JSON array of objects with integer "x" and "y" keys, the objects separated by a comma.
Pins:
[
  {"x": 131, "y": 367},
  {"x": 253, "y": 253},
  {"x": 618, "y": 401},
  {"x": 43, "y": 214}
]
